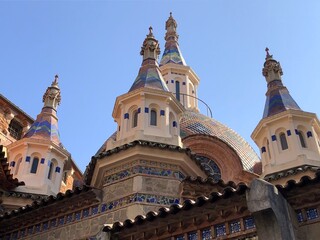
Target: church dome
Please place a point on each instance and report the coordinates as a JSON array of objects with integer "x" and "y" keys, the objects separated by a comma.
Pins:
[{"x": 196, "y": 123}]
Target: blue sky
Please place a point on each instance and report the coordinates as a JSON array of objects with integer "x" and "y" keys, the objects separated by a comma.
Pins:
[{"x": 94, "y": 47}]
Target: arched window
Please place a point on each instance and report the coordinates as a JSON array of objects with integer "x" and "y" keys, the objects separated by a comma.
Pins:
[
  {"x": 210, "y": 166},
  {"x": 51, "y": 167},
  {"x": 18, "y": 165},
  {"x": 135, "y": 119},
  {"x": 283, "y": 141},
  {"x": 301, "y": 138},
  {"x": 178, "y": 90},
  {"x": 153, "y": 117},
  {"x": 34, "y": 166}
]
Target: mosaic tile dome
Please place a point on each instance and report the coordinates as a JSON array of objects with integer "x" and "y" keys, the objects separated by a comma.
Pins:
[{"x": 196, "y": 123}]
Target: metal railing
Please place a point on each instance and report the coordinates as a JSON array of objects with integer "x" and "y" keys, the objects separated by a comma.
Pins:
[{"x": 183, "y": 101}]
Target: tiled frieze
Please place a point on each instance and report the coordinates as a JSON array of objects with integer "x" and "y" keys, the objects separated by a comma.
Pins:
[
  {"x": 89, "y": 213},
  {"x": 142, "y": 167}
]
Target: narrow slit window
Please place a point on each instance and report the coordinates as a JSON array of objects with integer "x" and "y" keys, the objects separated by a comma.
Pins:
[
  {"x": 283, "y": 141},
  {"x": 50, "y": 170},
  {"x": 301, "y": 138},
  {"x": 178, "y": 90},
  {"x": 153, "y": 118},
  {"x": 34, "y": 166},
  {"x": 135, "y": 119},
  {"x": 18, "y": 166}
]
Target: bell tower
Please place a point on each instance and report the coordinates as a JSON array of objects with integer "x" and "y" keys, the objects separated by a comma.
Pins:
[{"x": 287, "y": 136}]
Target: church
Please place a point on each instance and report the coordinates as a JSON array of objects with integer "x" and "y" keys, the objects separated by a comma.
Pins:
[{"x": 168, "y": 171}]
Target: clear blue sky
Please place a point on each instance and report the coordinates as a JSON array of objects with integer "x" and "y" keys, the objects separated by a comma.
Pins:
[{"x": 94, "y": 47}]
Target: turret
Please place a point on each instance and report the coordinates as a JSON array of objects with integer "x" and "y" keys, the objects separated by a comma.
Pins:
[
  {"x": 38, "y": 158},
  {"x": 180, "y": 78},
  {"x": 287, "y": 136},
  {"x": 148, "y": 111}
]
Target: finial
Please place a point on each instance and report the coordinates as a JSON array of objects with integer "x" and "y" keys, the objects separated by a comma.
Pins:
[
  {"x": 268, "y": 55},
  {"x": 171, "y": 14},
  {"x": 55, "y": 81},
  {"x": 150, "y": 32},
  {"x": 271, "y": 68},
  {"x": 150, "y": 47}
]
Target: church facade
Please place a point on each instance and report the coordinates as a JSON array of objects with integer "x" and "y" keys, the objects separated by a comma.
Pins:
[{"x": 168, "y": 171}]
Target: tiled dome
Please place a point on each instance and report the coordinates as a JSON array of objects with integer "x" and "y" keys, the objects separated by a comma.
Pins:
[{"x": 196, "y": 123}]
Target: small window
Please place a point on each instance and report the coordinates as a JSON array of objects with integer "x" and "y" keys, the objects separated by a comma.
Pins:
[
  {"x": 34, "y": 166},
  {"x": 283, "y": 141},
  {"x": 50, "y": 170},
  {"x": 301, "y": 138},
  {"x": 178, "y": 90},
  {"x": 153, "y": 118},
  {"x": 18, "y": 166},
  {"x": 135, "y": 119},
  {"x": 15, "y": 129}
]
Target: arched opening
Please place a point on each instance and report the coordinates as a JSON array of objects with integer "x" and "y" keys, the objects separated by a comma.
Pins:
[
  {"x": 18, "y": 166},
  {"x": 51, "y": 167},
  {"x": 153, "y": 117},
  {"x": 283, "y": 141},
  {"x": 301, "y": 138},
  {"x": 210, "y": 166},
  {"x": 178, "y": 90},
  {"x": 135, "y": 118},
  {"x": 34, "y": 166},
  {"x": 52, "y": 170}
]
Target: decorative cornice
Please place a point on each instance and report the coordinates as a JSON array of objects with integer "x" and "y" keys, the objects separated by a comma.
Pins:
[{"x": 91, "y": 166}]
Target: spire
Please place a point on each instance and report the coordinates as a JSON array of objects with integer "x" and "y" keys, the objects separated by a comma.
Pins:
[
  {"x": 171, "y": 27},
  {"x": 46, "y": 125},
  {"x": 172, "y": 53},
  {"x": 149, "y": 74},
  {"x": 278, "y": 96}
]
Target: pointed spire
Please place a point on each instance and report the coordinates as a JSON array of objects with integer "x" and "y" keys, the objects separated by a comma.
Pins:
[
  {"x": 171, "y": 27},
  {"x": 149, "y": 75},
  {"x": 52, "y": 96},
  {"x": 278, "y": 96},
  {"x": 45, "y": 127},
  {"x": 172, "y": 53}
]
